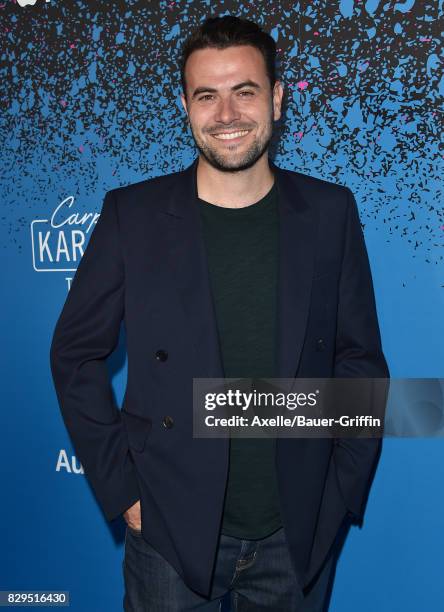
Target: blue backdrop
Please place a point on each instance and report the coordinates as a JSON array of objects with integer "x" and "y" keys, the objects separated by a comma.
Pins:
[{"x": 90, "y": 100}]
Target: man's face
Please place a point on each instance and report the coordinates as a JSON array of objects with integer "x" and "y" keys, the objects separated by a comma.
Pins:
[{"x": 230, "y": 105}]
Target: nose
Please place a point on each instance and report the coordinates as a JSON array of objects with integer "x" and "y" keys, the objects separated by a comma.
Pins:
[{"x": 227, "y": 111}]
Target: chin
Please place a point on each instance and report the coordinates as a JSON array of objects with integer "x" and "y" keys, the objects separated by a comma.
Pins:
[
  {"x": 241, "y": 165},
  {"x": 232, "y": 163}
]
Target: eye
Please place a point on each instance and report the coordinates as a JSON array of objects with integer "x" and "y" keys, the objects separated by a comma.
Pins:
[
  {"x": 246, "y": 93},
  {"x": 205, "y": 97}
]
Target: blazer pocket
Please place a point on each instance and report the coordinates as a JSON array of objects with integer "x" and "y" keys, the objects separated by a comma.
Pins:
[{"x": 137, "y": 429}]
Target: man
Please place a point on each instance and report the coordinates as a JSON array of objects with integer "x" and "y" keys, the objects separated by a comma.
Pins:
[{"x": 232, "y": 267}]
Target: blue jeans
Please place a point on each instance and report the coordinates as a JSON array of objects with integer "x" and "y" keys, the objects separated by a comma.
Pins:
[{"x": 249, "y": 575}]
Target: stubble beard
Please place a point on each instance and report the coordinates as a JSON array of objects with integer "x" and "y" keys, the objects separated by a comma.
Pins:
[{"x": 223, "y": 162}]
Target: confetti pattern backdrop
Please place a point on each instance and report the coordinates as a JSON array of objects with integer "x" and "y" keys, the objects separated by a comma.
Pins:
[{"x": 90, "y": 101}]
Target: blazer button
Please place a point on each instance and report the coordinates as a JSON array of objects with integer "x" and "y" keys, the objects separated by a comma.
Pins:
[
  {"x": 168, "y": 422},
  {"x": 320, "y": 344},
  {"x": 161, "y": 355}
]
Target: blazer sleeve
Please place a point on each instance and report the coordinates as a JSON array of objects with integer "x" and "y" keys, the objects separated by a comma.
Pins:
[
  {"x": 358, "y": 354},
  {"x": 85, "y": 334}
]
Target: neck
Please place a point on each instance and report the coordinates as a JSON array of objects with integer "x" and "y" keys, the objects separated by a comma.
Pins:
[{"x": 234, "y": 189}]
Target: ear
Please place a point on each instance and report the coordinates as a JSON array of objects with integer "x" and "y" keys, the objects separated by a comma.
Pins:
[
  {"x": 184, "y": 102},
  {"x": 278, "y": 94}
]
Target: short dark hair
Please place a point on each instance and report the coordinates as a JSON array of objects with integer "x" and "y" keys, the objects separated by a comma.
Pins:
[{"x": 230, "y": 31}]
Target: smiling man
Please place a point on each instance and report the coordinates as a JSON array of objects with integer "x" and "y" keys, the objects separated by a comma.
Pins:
[
  {"x": 231, "y": 108},
  {"x": 232, "y": 267},
  {"x": 231, "y": 119}
]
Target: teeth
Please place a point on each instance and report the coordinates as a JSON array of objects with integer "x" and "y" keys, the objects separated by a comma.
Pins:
[{"x": 230, "y": 136}]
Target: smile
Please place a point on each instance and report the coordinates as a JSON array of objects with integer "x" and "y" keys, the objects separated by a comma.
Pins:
[{"x": 231, "y": 135}]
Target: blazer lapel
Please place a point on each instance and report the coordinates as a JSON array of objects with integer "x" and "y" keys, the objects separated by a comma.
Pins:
[
  {"x": 187, "y": 261},
  {"x": 297, "y": 243},
  {"x": 188, "y": 264}
]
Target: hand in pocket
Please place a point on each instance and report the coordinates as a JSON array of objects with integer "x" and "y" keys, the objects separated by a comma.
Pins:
[{"x": 132, "y": 517}]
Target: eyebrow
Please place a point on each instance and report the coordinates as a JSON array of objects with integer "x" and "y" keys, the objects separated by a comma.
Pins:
[{"x": 248, "y": 83}]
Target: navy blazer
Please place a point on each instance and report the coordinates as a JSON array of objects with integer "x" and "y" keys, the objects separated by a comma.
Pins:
[{"x": 145, "y": 265}]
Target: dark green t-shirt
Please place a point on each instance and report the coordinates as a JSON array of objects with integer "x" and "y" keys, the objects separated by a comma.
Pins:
[{"x": 242, "y": 251}]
